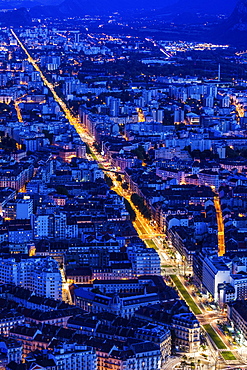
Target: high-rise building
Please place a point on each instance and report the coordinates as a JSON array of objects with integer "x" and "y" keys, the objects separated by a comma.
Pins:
[
  {"x": 77, "y": 37},
  {"x": 41, "y": 275},
  {"x": 24, "y": 208}
]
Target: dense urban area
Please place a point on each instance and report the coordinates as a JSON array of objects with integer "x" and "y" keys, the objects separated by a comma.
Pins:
[{"x": 123, "y": 199}]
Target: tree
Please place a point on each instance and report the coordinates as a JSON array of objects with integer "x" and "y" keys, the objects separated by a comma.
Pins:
[
  {"x": 108, "y": 181},
  {"x": 97, "y": 146},
  {"x": 62, "y": 190},
  {"x": 188, "y": 148},
  {"x": 88, "y": 151},
  {"x": 231, "y": 153},
  {"x": 183, "y": 364},
  {"x": 96, "y": 291},
  {"x": 8, "y": 144},
  {"x": 140, "y": 205},
  {"x": 140, "y": 152},
  {"x": 48, "y": 135},
  {"x": 168, "y": 119},
  {"x": 125, "y": 186},
  {"x": 130, "y": 210},
  {"x": 206, "y": 154}
]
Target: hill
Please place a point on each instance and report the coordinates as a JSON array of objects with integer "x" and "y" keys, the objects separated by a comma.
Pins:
[
  {"x": 234, "y": 29},
  {"x": 82, "y": 7}
]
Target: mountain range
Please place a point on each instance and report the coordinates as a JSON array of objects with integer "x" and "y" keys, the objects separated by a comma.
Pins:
[
  {"x": 232, "y": 30},
  {"x": 95, "y": 7},
  {"x": 82, "y": 7}
]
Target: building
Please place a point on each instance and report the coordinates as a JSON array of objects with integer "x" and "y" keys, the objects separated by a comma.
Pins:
[
  {"x": 187, "y": 331},
  {"x": 47, "y": 280},
  {"x": 9, "y": 320},
  {"x": 182, "y": 238},
  {"x": 145, "y": 261},
  {"x": 43, "y": 226},
  {"x": 159, "y": 335},
  {"x": 209, "y": 178},
  {"x": 237, "y": 314},
  {"x": 20, "y": 232},
  {"x": 71, "y": 356},
  {"x": 216, "y": 271},
  {"x": 76, "y": 275},
  {"x": 239, "y": 283},
  {"x": 120, "y": 286},
  {"x": 11, "y": 350},
  {"x": 144, "y": 355},
  {"x": 124, "y": 306},
  {"x": 40, "y": 275},
  {"x": 176, "y": 316},
  {"x": 24, "y": 208},
  {"x": 26, "y": 336}
]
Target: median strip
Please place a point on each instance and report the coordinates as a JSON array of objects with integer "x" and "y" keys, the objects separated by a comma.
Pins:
[
  {"x": 228, "y": 356},
  {"x": 150, "y": 243},
  {"x": 193, "y": 306},
  {"x": 140, "y": 227},
  {"x": 215, "y": 337}
]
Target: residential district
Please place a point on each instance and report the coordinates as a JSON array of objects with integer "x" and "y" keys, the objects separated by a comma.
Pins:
[{"x": 123, "y": 202}]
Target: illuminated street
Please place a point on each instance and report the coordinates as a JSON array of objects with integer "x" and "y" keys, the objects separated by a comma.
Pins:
[{"x": 221, "y": 235}]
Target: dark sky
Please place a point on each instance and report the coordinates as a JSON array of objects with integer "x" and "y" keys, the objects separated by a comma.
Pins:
[
  {"x": 174, "y": 6},
  {"x": 210, "y": 6}
]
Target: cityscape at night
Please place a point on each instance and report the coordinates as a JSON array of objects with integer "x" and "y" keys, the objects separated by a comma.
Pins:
[{"x": 123, "y": 185}]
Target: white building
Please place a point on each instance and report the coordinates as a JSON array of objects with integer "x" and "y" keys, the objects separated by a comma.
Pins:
[
  {"x": 47, "y": 282},
  {"x": 43, "y": 226},
  {"x": 145, "y": 261},
  {"x": 60, "y": 225},
  {"x": 49, "y": 226},
  {"x": 24, "y": 208},
  {"x": 216, "y": 270},
  {"x": 41, "y": 275}
]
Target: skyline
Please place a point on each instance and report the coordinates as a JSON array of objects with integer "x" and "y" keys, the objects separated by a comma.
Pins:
[{"x": 212, "y": 21}]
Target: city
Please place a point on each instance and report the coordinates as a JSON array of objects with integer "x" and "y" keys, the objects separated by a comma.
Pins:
[{"x": 123, "y": 193}]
